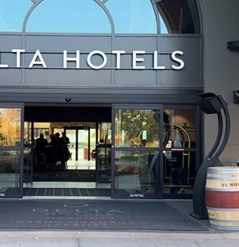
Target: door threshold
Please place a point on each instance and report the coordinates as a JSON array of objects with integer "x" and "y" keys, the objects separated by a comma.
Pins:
[{"x": 66, "y": 198}]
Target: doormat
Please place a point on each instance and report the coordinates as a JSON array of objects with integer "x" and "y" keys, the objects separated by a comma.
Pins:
[
  {"x": 110, "y": 215},
  {"x": 65, "y": 192},
  {"x": 65, "y": 175}
]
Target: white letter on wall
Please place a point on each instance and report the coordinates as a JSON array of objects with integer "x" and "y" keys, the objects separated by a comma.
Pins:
[
  {"x": 156, "y": 61},
  {"x": 174, "y": 58},
  {"x": 18, "y": 54},
  {"x": 71, "y": 59},
  {"x": 40, "y": 61},
  {"x": 118, "y": 53},
  {"x": 102, "y": 54},
  {"x": 3, "y": 65},
  {"x": 135, "y": 59}
]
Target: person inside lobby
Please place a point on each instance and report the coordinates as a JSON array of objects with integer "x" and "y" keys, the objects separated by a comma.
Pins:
[{"x": 40, "y": 150}]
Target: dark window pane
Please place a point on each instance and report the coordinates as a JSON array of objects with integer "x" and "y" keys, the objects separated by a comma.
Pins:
[{"x": 179, "y": 16}]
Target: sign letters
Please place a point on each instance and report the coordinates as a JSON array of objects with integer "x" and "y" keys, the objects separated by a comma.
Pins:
[{"x": 137, "y": 59}]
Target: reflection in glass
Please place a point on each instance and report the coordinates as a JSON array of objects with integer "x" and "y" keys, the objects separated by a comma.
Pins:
[
  {"x": 181, "y": 128},
  {"x": 103, "y": 162},
  {"x": 104, "y": 133},
  {"x": 135, "y": 172},
  {"x": 9, "y": 171},
  {"x": 179, "y": 161},
  {"x": 27, "y": 163},
  {"x": 27, "y": 133},
  {"x": 179, "y": 172},
  {"x": 136, "y": 128},
  {"x": 10, "y": 126}
]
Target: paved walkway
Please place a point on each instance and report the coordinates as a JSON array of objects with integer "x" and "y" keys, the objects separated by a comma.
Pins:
[{"x": 117, "y": 239}]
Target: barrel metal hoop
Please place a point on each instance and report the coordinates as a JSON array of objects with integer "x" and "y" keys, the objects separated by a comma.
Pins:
[
  {"x": 222, "y": 189},
  {"x": 224, "y": 209},
  {"x": 225, "y": 221},
  {"x": 233, "y": 170},
  {"x": 229, "y": 228},
  {"x": 236, "y": 179}
]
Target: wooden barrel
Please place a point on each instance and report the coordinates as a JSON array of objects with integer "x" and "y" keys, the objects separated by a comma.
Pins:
[{"x": 222, "y": 197}]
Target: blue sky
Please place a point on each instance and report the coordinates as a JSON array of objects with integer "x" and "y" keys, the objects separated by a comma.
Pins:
[{"x": 82, "y": 16}]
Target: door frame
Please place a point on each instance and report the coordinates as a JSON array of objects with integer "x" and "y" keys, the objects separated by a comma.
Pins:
[
  {"x": 198, "y": 142},
  {"x": 159, "y": 192},
  {"x": 77, "y": 134},
  {"x": 32, "y": 157},
  {"x": 19, "y": 148},
  {"x": 159, "y": 170}
]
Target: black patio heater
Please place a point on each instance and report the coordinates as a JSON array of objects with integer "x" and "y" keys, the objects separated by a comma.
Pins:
[{"x": 210, "y": 104}]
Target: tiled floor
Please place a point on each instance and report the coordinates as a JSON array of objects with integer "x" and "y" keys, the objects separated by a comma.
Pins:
[
  {"x": 85, "y": 185},
  {"x": 71, "y": 190},
  {"x": 59, "y": 192},
  {"x": 83, "y": 188}
]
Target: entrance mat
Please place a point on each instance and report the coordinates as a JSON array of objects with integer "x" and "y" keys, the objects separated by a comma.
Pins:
[
  {"x": 65, "y": 192},
  {"x": 65, "y": 175},
  {"x": 94, "y": 215}
]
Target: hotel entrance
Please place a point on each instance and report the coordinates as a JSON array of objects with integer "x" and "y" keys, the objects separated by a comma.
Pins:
[
  {"x": 133, "y": 151},
  {"x": 79, "y": 174},
  {"x": 154, "y": 70}
]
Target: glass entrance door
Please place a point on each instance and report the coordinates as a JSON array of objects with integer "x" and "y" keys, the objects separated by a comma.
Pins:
[
  {"x": 11, "y": 150},
  {"x": 81, "y": 143},
  {"x": 155, "y": 151},
  {"x": 136, "y": 156}
]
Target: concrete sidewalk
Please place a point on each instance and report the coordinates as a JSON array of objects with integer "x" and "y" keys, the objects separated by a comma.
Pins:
[{"x": 117, "y": 239}]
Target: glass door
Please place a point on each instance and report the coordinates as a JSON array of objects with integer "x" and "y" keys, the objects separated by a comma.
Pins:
[
  {"x": 11, "y": 150},
  {"x": 82, "y": 141},
  {"x": 83, "y": 144},
  {"x": 180, "y": 154},
  {"x": 72, "y": 145},
  {"x": 136, "y": 151},
  {"x": 103, "y": 153},
  {"x": 28, "y": 154}
]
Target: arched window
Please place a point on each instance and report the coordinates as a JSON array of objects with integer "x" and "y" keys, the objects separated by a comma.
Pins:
[
  {"x": 58, "y": 16},
  {"x": 100, "y": 16},
  {"x": 133, "y": 16},
  {"x": 179, "y": 16},
  {"x": 12, "y": 14}
]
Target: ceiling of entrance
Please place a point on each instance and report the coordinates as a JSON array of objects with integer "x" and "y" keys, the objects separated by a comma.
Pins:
[{"x": 67, "y": 114}]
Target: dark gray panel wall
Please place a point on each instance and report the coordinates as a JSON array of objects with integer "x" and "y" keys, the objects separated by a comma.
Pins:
[
  {"x": 190, "y": 76},
  {"x": 52, "y": 46},
  {"x": 10, "y": 41}
]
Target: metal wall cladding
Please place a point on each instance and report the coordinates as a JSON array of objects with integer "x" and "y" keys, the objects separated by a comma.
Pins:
[{"x": 117, "y": 70}]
